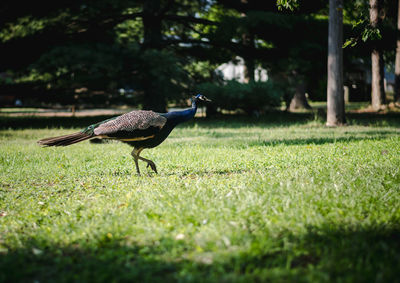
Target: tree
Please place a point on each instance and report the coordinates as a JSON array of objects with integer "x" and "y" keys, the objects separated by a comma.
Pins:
[
  {"x": 288, "y": 40},
  {"x": 103, "y": 45},
  {"x": 378, "y": 98},
  {"x": 335, "y": 95},
  {"x": 397, "y": 64},
  {"x": 299, "y": 100}
]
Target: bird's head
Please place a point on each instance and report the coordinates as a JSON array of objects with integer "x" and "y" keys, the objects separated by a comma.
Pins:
[{"x": 200, "y": 97}]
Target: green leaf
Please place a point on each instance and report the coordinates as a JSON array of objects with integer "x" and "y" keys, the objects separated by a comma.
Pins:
[
  {"x": 287, "y": 4},
  {"x": 350, "y": 42}
]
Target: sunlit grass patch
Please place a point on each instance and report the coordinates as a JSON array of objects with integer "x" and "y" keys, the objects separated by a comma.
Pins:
[{"x": 233, "y": 201}]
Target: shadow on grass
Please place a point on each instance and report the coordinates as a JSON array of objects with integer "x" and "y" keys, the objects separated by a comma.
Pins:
[
  {"x": 331, "y": 253},
  {"x": 391, "y": 119},
  {"x": 320, "y": 141},
  {"x": 35, "y": 122},
  {"x": 271, "y": 119}
]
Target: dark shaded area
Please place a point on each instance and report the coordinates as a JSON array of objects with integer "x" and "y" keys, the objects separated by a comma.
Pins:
[
  {"x": 49, "y": 122},
  {"x": 328, "y": 253},
  {"x": 320, "y": 141},
  {"x": 155, "y": 52},
  {"x": 271, "y": 119}
]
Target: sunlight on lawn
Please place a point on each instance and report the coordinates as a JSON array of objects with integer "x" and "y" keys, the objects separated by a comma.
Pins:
[{"x": 234, "y": 201}]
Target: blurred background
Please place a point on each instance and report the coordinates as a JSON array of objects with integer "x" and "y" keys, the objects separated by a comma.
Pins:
[{"x": 248, "y": 56}]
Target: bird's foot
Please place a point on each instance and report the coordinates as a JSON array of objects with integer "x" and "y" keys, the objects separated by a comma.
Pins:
[{"x": 152, "y": 166}]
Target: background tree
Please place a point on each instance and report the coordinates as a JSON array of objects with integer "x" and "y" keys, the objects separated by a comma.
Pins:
[
  {"x": 397, "y": 64},
  {"x": 378, "y": 97},
  {"x": 102, "y": 46},
  {"x": 85, "y": 51},
  {"x": 335, "y": 96},
  {"x": 289, "y": 44}
]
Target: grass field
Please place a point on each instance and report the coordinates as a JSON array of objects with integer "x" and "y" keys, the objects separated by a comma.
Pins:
[{"x": 281, "y": 198}]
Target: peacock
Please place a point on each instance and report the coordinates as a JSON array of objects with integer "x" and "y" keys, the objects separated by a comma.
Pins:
[{"x": 140, "y": 128}]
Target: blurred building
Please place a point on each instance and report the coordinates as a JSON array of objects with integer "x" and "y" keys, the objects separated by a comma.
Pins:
[{"x": 234, "y": 70}]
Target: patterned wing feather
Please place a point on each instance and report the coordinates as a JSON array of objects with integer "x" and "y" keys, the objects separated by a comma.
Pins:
[{"x": 131, "y": 124}]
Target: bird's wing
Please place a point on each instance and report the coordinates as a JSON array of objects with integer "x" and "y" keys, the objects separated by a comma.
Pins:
[{"x": 132, "y": 126}]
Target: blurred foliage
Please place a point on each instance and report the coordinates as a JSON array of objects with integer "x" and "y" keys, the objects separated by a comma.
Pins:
[
  {"x": 287, "y": 4},
  {"x": 357, "y": 14},
  {"x": 162, "y": 50},
  {"x": 99, "y": 46},
  {"x": 251, "y": 97}
]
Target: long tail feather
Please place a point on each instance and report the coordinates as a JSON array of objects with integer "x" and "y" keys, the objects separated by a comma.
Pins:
[{"x": 65, "y": 140}]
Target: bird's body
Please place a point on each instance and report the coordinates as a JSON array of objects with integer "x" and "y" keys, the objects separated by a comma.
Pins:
[{"x": 140, "y": 129}]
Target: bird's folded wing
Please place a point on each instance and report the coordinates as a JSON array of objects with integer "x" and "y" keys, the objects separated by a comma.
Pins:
[{"x": 135, "y": 125}]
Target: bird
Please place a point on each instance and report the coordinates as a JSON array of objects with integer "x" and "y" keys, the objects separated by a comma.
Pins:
[{"x": 141, "y": 129}]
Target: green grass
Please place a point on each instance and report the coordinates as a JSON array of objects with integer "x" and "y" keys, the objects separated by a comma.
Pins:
[{"x": 281, "y": 199}]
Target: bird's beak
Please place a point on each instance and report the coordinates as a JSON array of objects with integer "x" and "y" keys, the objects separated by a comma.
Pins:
[{"x": 206, "y": 99}]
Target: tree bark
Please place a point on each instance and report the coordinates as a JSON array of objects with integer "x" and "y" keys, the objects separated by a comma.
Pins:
[
  {"x": 154, "y": 97},
  {"x": 377, "y": 84},
  {"x": 299, "y": 100},
  {"x": 248, "y": 43},
  {"x": 397, "y": 64},
  {"x": 249, "y": 66},
  {"x": 335, "y": 94},
  {"x": 152, "y": 24}
]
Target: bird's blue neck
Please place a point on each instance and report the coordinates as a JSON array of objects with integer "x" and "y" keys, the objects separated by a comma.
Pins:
[{"x": 178, "y": 117}]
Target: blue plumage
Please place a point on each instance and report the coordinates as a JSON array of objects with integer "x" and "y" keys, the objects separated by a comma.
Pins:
[{"x": 140, "y": 129}]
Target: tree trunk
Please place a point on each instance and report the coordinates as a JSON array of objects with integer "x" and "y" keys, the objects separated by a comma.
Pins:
[
  {"x": 154, "y": 97},
  {"x": 397, "y": 66},
  {"x": 249, "y": 66},
  {"x": 248, "y": 43},
  {"x": 299, "y": 100},
  {"x": 377, "y": 83},
  {"x": 335, "y": 95},
  {"x": 152, "y": 24}
]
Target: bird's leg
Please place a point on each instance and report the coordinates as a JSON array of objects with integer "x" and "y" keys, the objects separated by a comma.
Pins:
[
  {"x": 149, "y": 163},
  {"x": 135, "y": 153}
]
